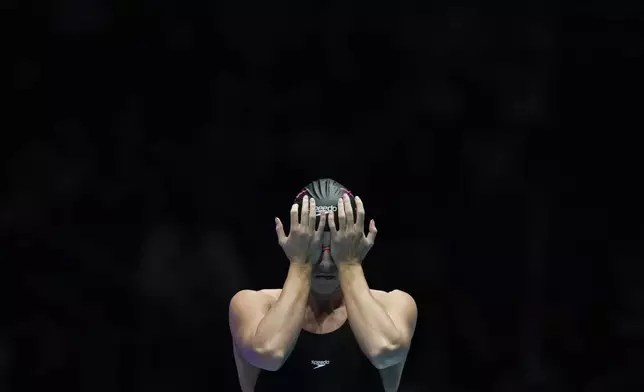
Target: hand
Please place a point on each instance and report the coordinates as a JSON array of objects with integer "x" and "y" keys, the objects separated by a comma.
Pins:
[
  {"x": 302, "y": 235},
  {"x": 348, "y": 242}
]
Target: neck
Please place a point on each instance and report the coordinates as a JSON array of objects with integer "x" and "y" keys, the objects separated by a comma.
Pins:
[{"x": 322, "y": 305}]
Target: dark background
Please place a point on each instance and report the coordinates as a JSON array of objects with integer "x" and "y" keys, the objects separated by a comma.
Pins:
[{"x": 150, "y": 144}]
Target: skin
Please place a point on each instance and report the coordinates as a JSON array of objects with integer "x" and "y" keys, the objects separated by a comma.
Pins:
[
  {"x": 324, "y": 288},
  {"x": 383, "y": 328}
]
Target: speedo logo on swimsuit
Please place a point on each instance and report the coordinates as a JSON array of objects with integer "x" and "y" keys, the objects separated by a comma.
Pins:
[
  {"x": 327, "y": 209},
  {"x": 319, "y": 364}
]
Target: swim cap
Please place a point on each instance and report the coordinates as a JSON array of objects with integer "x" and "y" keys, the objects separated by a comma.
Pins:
[{"x": 326, "y": 193}]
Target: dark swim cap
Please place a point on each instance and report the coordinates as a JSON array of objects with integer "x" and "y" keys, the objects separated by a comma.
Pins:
[{"x": 326, "y": 193}]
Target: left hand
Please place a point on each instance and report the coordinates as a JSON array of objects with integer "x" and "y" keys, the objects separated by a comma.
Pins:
[{"x": 349, "y": 245}]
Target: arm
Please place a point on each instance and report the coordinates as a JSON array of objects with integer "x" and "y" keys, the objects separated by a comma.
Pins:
[
  {"x": 383, "y": 328},
  {"x": 265, "y": 334}
]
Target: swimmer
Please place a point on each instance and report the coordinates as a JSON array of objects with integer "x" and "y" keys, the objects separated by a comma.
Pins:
[{"x": 325, "y": 329}]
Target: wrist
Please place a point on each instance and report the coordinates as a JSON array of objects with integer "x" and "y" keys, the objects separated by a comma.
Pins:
[
  {"x": 349, "y": 265},
  {"x": 302, "y": 268},
  {"x": 350, "y": 275},
  {"x": 298, "y": 260}
]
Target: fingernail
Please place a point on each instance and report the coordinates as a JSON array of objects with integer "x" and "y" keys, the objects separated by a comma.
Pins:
[{"x": 357, "y": 197}]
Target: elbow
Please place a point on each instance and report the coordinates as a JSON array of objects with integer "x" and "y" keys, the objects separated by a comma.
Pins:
[
  {"x": 388, "y": 355},
  {"x": 268, "y": 359},
  {"x": 271, "y": 364}
]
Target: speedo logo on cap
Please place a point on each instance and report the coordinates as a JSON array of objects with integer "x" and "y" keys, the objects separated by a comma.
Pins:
[{"x": 319, "y": 209}]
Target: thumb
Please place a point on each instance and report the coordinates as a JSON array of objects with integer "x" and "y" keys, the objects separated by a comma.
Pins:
[
  {"x": 371, "y": 237},
  {"x": 279, "y": 229}
]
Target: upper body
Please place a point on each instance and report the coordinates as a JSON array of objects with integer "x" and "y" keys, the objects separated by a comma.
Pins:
[
  {"x": 325, "y": 329},
  {"x": 326, "y": 357}
]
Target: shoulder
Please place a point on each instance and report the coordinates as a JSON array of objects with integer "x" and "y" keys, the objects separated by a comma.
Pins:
[
  {"x": 252, "y": 299},
  {"x": 398, "y": 301},
  {"x": 263, "y": 293},
  {"x": 397, "y": 296},
  {"x": 272, "y": 293}
]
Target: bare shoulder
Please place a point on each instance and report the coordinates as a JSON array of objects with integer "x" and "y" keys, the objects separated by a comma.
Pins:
[
  {"x": 250, "y": 300},
  {"x": 396, "y": 296},
  {"x": 245, "y": 295},
  {"x": 246, "y": 310},
  {"x": 400, "y": 305},
  {"x": 273, "y": 293}
]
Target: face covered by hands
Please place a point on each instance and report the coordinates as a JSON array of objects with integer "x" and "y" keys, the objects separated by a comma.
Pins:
[
  {"x": 349, "y": 245},
  {"x": 303, "y": 235}
]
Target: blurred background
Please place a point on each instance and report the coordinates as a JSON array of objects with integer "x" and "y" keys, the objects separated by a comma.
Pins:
[{"x": 148, "y": 146}]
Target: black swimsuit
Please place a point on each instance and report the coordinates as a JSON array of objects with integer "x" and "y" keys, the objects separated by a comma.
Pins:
[{"x": 331, "y": 362}]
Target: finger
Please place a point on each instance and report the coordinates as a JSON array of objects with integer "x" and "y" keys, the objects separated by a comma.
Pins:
[
  {"x": 371, "y": 237},
  {"x": 348, "y": 210},
  {"x": 360, "y": 213},
  {"x": 304, "y": 218},
  {"x": 294, "y": 215},
  {"x": 312, "y": 213},
  {"x": 342, "y": 218},
  {"x": 322, "y": 224},
  {"x": 279, "y": 229},
  {"x": 331, "y": 222}
]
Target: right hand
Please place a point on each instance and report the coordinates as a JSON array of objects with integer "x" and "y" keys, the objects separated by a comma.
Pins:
[{"x": 302, "y": 236}]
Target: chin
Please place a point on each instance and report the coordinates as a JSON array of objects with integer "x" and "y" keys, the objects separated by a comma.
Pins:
[{"x": 324, "y": 288}]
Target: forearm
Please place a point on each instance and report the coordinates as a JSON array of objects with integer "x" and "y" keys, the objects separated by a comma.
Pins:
[
  {"x": 373, "y": 328},
  {"x": 277, "y": 333}
]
